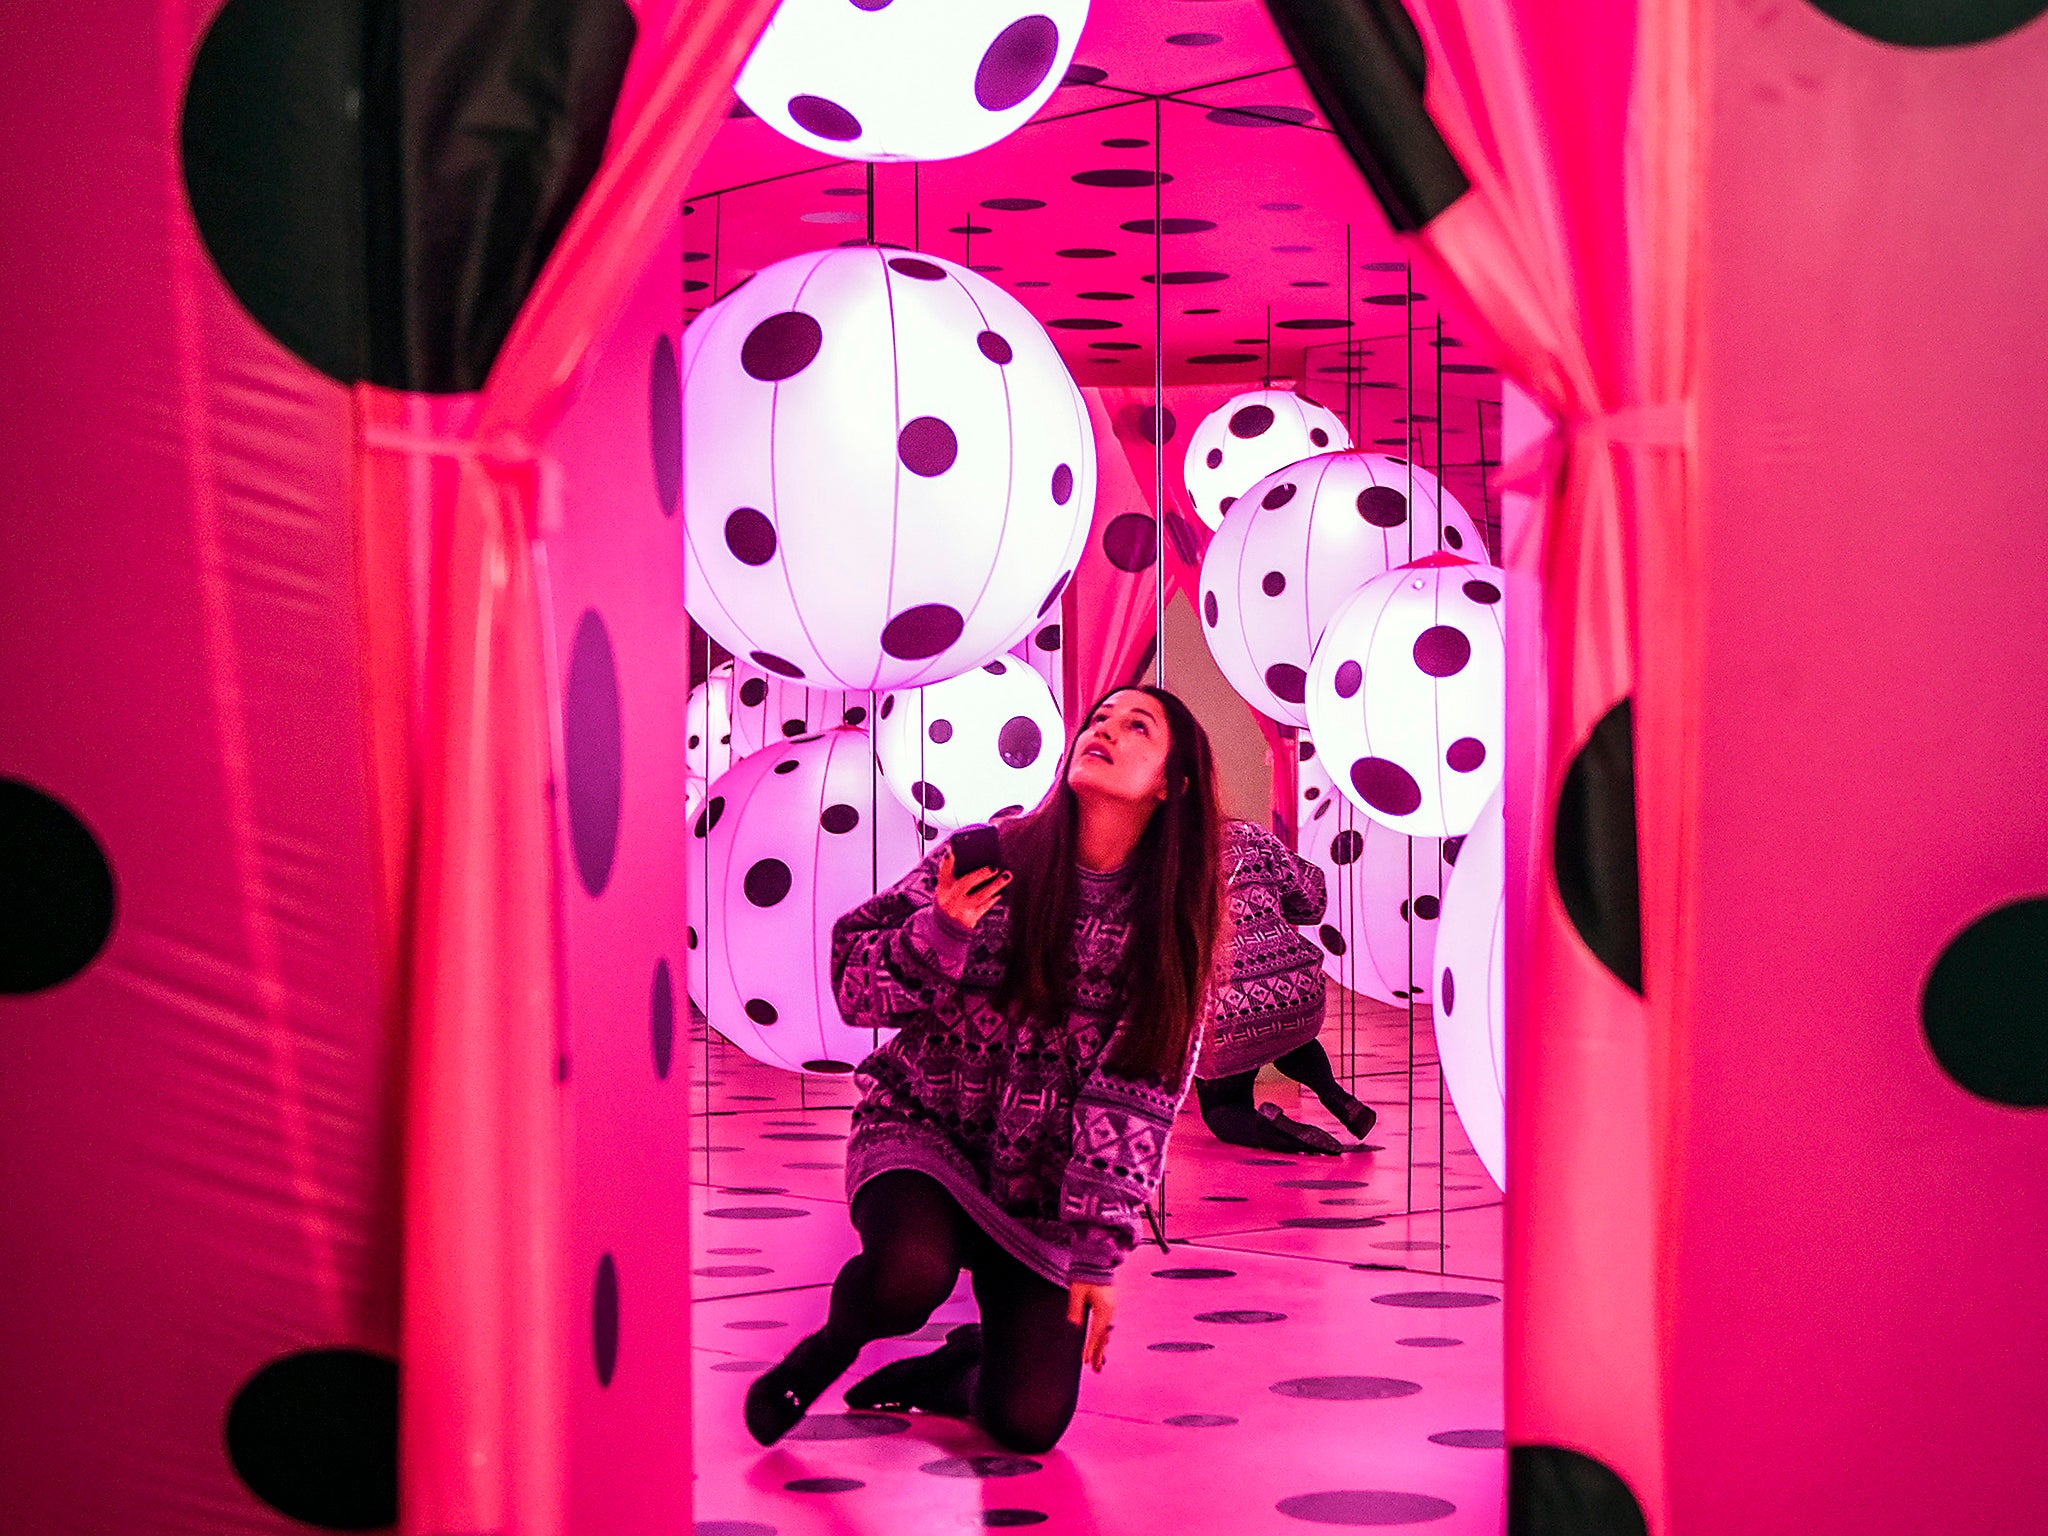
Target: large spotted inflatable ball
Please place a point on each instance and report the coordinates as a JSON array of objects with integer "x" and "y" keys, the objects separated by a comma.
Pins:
[
  {"x": 968, "y": 749},
  {"x": 1248, "y": 437},
  {"x": 1378, "y": 931},
  {"x": 908, "y": 79},
  {"x": 789, "y": 839},
  {"x": 888, "y": 473},
  {"x": 1407, "y": 695},
  {"x": 1294, "y": 548},
  {"x": 1471, "y": 988},
  {"x": 707, "y": 746},
  {"x": 767, "y": 708}
]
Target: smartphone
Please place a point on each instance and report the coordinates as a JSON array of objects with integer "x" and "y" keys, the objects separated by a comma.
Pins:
[{"x": 976, "y": 847}]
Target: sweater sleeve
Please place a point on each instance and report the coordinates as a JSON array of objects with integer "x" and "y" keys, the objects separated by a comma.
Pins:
[
  {"x": 1303, "y": 898},
  {"x": 892, "y": 953},
  {"x": 1121, "y": 1126}
]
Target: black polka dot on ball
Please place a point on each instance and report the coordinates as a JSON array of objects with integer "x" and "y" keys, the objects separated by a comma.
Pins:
[
  {"x": 1383, "y": 506},
  {"x": 940, "y": 731},
  {"x": 761, "y": 1011},
  {"x": 1277, "y": 496},
  {"x": 855, "y": 715},
  {"x": 1984, "y": 1003},
  {"x": 1349, "y": 675},
  {"x": 1131, "y": 542},
  {"x": 750, "y": 537},
  {"x": 1215, "y": 458},
  {"x": 1047, "y": 639},
  {"x": 1465, "y": 754},
  {"x": 1482, "y": 591},
  {"x": 1062, "y": 492},
  {"x": 56, "y": 891},
  {"x": 1333, "y": 941},
  {"x": 1016, "y": 63},
  {"x": 1319, "y": 437},
  {"x": 839, "y": 818},
  {"x": 921, "y": 632},
  {"x": 708, "y": 817},
  {"x": 827, "y": 119},
  {"x": 753, "y": 692},
  {"x": 1427, "y": 908},
  {"x": 1454, "y": 538},
  {"x": 661, "y": 1016},
  {"x": 1272, "y": 584},
  {"x": 1449, "y": 992},
  {"x": 1020, "y": 741},
  {"x": 930, "y": 796},
  {"x": 1054, "y": 595},
  {"x": 1386, "y": 786},
  {"x": 593, "y": 751},
  {"x": 923, "y": 271},
  {"x": 788, "y": 764},
  {"x": 1451, "y": 847},
  {"x": 1287, "y": 681},
  {"x": 1250, "y": 420},
  {"x": 767, "y": 882},
  {"x": 690, "y": 936},
  {"x": 781, "y": 346},
  {"x": 993, "y": 347},
  {"x": 1346, "y": 847},
  {"x": 1226, "y": 504},
  {"x": 1442, "y": 650},
  {"x": 314, "y": 1435},
  {"x": 665, "y": 424},
  {"x": 604, "y": 1320},
  {"x": 768, "y": 661},
  {"x": 994, "y": 668},
  {"x": 927, "y": 447},
  {"x": 1209, "y": 608}
]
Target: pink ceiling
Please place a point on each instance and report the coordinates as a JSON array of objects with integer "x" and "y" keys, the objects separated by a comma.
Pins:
[{"x": 1258, "y": 203}]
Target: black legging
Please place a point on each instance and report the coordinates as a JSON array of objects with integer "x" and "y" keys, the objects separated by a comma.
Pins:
[
  {"x": 915, "y": 1240},
  {"x": 1228, "y": 1110}
]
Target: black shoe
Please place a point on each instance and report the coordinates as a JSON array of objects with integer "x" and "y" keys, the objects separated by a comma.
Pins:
[
  {"x": 1311, "y": 1138},
  {"x": 1354, "y": 1115},
  {"x": 930, "y": 1383},
  {"x": 783, "y": 1394}
]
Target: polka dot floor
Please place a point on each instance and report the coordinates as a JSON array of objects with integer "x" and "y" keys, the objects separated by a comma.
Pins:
[{"x": 1321, "y": 1345}]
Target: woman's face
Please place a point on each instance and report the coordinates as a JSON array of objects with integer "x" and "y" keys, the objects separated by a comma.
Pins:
[{"x": 1121, "y": 751}]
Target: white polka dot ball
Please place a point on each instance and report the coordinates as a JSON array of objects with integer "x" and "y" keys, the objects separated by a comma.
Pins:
[
  {"x": 1248, "y": 437},
  {"x": 707, "y": 746},
  {"x": 908, "y": 79},
  {"x": 1471, "y": 988},
  {"x": 790, "y": 838},
  {"x": 888, "y": 473},
  {"x": 970, "y": 748},
  {"x": 1407, "y": 695},
  {"x": 767, "y": 708},
  {"x": 1296, "y": 546},
  {"x": 1044, "y": 651},
  {"x": 1378, "y": 932}
]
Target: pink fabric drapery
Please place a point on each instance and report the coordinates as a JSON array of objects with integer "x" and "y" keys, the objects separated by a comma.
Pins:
[
  {"x": 482, "y": 1424},
  {"x": 1573, "y": 247}
]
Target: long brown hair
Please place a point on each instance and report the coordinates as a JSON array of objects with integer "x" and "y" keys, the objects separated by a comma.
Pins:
[{"x": 1175, "y": 875}]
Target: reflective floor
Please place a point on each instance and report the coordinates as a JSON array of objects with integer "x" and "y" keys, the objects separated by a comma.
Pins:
[{"x": 1317, "y": 1347}]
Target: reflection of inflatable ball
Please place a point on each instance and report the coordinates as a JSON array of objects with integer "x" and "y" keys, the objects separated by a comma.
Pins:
[
  {"x": 908, "y": 79},
  {"x": 1248, "y": 437},
  {"x": 888, "y": 473},
  {"x": 1381, "y": 887},
  {"x": 1471, "y": 988},
  {"x": 707, "y": 745},
  {"x": 1044, "y": 652},
  {"x": 1408, "y": 695},
  {"x": 767, "y": 708},
  {"x": 963, "y": 750},
  {"x": 790, "y": 839},
  {"x": 1293, "y": 550}
]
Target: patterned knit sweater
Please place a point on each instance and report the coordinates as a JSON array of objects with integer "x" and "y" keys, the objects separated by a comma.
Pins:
[
  {"x": 1268, "y": 994},
  {"x": 1050, "y": 1152}
]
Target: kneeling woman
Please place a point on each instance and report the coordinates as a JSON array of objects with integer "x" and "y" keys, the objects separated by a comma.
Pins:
[{"x": 1048, "y": 1013}]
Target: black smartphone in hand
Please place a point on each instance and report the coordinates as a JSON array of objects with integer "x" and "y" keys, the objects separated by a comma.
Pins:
[{"x": 975, "y": 848}]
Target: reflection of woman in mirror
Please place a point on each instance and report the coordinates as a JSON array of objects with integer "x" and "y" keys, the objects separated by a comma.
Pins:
[
  {"x": 1048, "y": 1009},
  {"x": 1268, "y": 1002}
]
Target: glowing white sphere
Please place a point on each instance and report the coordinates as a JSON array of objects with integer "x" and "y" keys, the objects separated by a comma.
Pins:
[
  {"x": 1293, "y": 550},
  {"x": 960, "y": 751},
  {"x": 1382, "y": 888},
  {"x": 1248, "y": 437},
  {"x": 1471, "y": 988},
  {"x": 767, "y": 708},
  {"x": 707, "y": 746},
  {"x": 888, "y": 474},
  {"x": 908, "y": 79},
  {"x": 791, "y": 838},
  {"x": 1408, "y": 695}
]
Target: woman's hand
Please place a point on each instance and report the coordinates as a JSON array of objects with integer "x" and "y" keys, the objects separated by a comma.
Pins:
[
  {"x": 1094, "y": 1305},
  {"x": 967, "y": 899}
]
